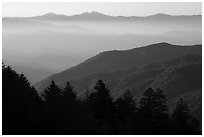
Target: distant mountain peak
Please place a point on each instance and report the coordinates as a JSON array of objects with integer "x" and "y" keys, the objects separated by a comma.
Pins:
[
  {"x": 93, "y": 13},
  {"x": 162, "y": 44},
  {"x": 53, "y": 15},
  {"x": 50, "y": 14},
  {"x": 160, "y": 15}
]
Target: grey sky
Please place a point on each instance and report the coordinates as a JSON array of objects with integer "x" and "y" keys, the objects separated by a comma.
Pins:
[{"x": 23, "y": 9}]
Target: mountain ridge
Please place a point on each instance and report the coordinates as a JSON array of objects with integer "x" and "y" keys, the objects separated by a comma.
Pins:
[
  {"x": 99, "y": 13},
  {"x": 107, "y": 61},
  {"x": 95, "y": 14}
]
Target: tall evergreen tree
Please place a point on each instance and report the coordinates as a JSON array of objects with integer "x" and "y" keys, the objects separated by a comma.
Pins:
[
  {"x": 68, "y": 92},
  {"x": 183, "y": 122},
  {"x": 103, "y": 106},
  {"x": 154, "y": 110},
  {"x": 125, "y": 109},
  {"x": 53, "y": 97},
  {"x": 70, "y": 110},
  {"x": 21, "y": 105}
]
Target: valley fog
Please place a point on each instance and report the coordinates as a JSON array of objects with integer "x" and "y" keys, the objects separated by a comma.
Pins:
[{"x": 50, "y": 45}]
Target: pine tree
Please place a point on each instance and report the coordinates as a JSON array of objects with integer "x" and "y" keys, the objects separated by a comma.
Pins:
[
  {"x": 21, "y": 105},
  {"x": 68, "y": 92},
  {"x": 126, "y": 103},
  {"x": 54, "y": 106},
  {"x": 103, "y": 106},
  {"x": 125, "y": 109},
  {"x": 53, "y": 94},
  {"x": 154, "y": 110},
  {"x": 70, "y": 109},
  {"x": 184, "y": 123}
]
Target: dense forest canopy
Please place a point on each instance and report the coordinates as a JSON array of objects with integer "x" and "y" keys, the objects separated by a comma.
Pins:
[{"x": 62, "y": 112}]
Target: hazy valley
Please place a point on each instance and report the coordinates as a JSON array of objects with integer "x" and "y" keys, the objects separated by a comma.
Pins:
[
  {"x": 98, "y": 74},
  {"x": 46, "y": 40}
]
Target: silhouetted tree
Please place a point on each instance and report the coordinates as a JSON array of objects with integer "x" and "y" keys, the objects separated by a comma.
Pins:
[
  {"x": 154, "y": 111},
  {"x": 70, "y": 109},
  {"x": 68, "y": 92},
  {"x": 126, "y": 103},
  {"x": 53, "y": 97},
  {"x": 125, "y": 109},
  {"x": 183, "y": 121},
  {"x": 21, "y": 106},
  {"x": 61, "y": 112},
  {"x": 86, "y": 116},
  {"x": 103, "y": 107}
]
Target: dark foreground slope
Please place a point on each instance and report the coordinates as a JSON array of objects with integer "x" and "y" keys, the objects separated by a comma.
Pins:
[{"x": 62, "y": 113}]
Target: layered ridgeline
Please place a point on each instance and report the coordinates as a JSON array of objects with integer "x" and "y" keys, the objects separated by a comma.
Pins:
[
  {"x": 53, "y": 42},
  {"x": 114, "y": 64},
  {"x": 175, "y": 69},
  {"x": 97, "y": 23}
]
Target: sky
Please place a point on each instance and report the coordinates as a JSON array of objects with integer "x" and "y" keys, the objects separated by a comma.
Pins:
[{"x": 28, "y": 9}]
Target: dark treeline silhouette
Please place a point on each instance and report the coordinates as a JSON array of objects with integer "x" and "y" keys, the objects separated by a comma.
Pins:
[{"x": 60, "y": 111}]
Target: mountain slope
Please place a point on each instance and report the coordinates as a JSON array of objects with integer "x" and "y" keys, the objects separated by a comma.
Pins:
[
  {"x": 138, "y": 79},
  {"x": 193, "y": 100},
  {"x": 117, "y": 60},
  {"x": 180, "y": 79}
]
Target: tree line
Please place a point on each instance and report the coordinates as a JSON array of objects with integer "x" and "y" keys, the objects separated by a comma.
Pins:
[{"x": 60, "y": 111}]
